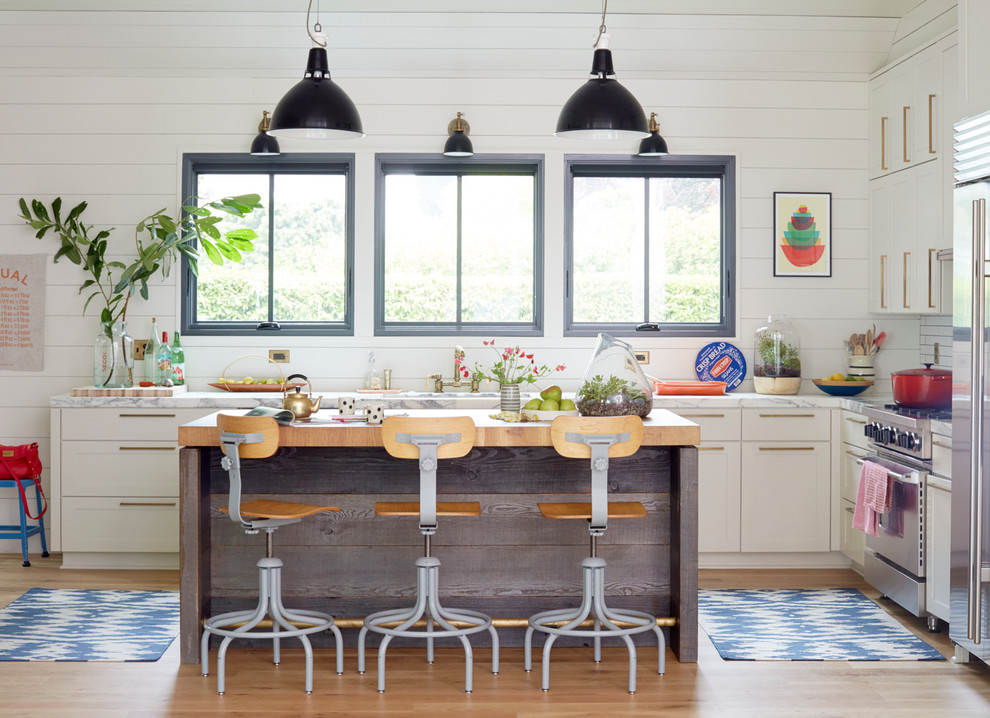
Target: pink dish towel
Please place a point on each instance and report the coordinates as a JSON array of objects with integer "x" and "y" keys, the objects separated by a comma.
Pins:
[{"x": 873, "y": 498}]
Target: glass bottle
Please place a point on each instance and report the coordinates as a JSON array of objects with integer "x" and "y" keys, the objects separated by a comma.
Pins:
[
  {"x": 614, "y": 383},
  {"x": 102, "y": 357},
  {"x": 151, "y": 352},
  {"x": 164, "y": 375},
  {"x": 777, "y": 361},
  {"x": 178, "y": 362},
  {"x": 371, "y": 378},
  {"x": 123, "y": 356}
]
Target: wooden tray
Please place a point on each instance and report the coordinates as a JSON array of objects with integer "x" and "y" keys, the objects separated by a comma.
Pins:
[
  {"x": 150, "y": 391},
  {"x": 257, "y": 387}
]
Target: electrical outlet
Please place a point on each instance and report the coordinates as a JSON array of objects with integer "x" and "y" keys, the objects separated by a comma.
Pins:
[
  {"x": 643, "y": 357},
  {"x": 140, "y": 345},
  {"x": 279, "y": 356}
]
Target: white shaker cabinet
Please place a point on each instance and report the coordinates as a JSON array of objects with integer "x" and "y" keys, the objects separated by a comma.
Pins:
[
  {"x": 718, "y": 478},
  {"x": 974, "y": 58},
  {"x": 115, "y": 486},
  {"x": 938, "y": 518},
  {"x": 786, "y": 482}
]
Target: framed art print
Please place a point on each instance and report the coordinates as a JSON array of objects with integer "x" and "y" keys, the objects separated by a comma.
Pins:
[{"x": 802, "y": 234}]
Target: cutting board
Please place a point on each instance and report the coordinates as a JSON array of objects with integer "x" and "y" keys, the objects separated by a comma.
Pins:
[{"x": 135, "y": 391}]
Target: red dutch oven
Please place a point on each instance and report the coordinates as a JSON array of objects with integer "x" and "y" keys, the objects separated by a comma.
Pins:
[{"x": 922, "y": 388}]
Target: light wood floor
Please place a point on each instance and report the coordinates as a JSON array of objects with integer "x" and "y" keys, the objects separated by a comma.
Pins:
[{"x": 711, "y": 687}]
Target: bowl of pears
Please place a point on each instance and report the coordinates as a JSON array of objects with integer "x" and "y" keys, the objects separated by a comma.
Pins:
[{"x": 549, "y": 405}]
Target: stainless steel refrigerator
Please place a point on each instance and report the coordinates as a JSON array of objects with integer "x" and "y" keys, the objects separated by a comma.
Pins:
[{"x": 969, "y": 624}]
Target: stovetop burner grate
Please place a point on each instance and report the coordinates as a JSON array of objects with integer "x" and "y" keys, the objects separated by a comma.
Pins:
[{"x": 919, "y": 413}]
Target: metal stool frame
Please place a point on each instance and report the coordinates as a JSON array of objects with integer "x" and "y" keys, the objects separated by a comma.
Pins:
[
  {"x": 438, "y": 618},
  {"x": 22, "y": 530},
  {"x": 593, "y": 569},
  {"x": 269, "y": 589}
]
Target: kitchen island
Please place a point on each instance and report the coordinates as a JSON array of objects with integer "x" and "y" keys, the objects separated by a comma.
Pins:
[{"x": 509, "y": 562}]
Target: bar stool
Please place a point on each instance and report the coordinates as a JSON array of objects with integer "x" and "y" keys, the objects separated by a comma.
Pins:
[
  {"x": 597, "y": 438},
  {"x": 256, "y": 437},
  {"x": 427, "y": 439},
  {"x": 22, "y": 531}
]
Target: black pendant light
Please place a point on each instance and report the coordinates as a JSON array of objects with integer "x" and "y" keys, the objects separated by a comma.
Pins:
[
  {"x": 602, "y": 109},
  {"x": 264, "y": 144},
  {"x": 458, "y": 144},
  {"x": 316, "y": 107},
  {"x": 654, "y": 145}
]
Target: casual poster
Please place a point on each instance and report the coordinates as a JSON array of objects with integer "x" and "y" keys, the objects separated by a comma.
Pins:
[
  {"x": 802, "y": 234},
  {"x": 22, "y": 312}
]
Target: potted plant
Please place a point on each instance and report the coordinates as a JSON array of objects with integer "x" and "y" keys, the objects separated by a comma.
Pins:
[
  {"x": 159, "y": 240},
  {"x": 612, "y": 397}
]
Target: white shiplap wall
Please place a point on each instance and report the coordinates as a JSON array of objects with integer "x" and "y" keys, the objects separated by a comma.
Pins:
[{"x": 100, "y": 104}]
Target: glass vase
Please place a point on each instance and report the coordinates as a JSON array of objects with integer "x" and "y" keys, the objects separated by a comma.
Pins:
[
  {"x": 614, "y": 384},
  {"x": 102, "y": 357},
  {"x": 123, "y": 356},
  {"x": 509, "y": 398},
  {"x": 777, "y": 364}
]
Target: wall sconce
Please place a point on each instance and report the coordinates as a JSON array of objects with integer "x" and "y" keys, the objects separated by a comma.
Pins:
[
  {"x": 458, "y": 144},
  {"x": 654, "y": 145},
  {"x": 264, "y": 144}
]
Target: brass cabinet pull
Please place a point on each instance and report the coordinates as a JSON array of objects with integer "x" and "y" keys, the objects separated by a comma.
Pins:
[
  {"x": 711, "y": 448},
  {"x": 701, "y": 416},
  {"x": 787, "y": 416},
  {"x": 931, "y": 114},
  {"x": 147, "y": 448},
  {"x": 147, "y": 503},
  {"x": 931, "y": 254},
  {"x": 855, "y": 455},
  {"x": 883, "y": 143},
  {"x": 146, "y": 416},
  {"x": 883, "y": 272},
  {"x": 906, "y": 255},
  {"x": 787, "y": 448},
  {"x": 856, "y": 421},
  {"x": 906, "y": 108},
  {"x": 850, "y": 511}
]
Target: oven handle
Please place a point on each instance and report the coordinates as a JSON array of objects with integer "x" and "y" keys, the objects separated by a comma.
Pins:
[{"x": 909, "y": 478}]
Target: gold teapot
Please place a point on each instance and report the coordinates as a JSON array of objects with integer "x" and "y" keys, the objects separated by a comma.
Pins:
[{"x": 298, "y": 403}]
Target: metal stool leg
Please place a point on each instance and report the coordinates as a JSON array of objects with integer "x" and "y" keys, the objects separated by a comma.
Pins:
[
  {"x": 24, "y": 536},
  {"x": 41, "y": 522}
]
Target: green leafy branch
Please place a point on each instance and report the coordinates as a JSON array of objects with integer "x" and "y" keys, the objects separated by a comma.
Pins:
[{"x": 166, "y": 240}]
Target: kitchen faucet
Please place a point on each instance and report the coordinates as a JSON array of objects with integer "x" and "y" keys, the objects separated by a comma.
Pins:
[{"x": 439, "y": 383}]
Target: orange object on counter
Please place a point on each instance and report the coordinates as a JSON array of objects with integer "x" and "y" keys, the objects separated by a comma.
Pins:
[{"x": 673, "y": 388}]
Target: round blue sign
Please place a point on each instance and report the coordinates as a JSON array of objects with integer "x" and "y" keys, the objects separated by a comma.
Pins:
[{"x": 721, "y": 361}]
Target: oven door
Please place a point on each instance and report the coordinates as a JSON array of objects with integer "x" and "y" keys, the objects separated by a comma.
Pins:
[{"x": 901, "y": 541}]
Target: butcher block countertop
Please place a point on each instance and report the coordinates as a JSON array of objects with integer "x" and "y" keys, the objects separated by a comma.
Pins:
[{"x": 660, "y": 428}]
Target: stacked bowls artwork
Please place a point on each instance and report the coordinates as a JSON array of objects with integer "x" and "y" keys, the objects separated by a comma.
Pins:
[{"x": 801, "y": 243}]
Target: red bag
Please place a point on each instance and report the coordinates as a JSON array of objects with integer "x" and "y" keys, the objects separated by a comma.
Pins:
[{"x": 21, "y": 463}]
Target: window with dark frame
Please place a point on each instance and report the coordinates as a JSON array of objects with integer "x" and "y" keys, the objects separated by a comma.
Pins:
[
  {"x": 650, "y": 245},
  {"x": 298, "y": 280},
  {"x": 459, "y": 245}
]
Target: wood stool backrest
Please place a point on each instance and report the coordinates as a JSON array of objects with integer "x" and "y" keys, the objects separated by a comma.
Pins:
[
  {"x": 264, "y": 425},
  {"x": 393, "y": 425},
  {"x": 596, "y": 425}
]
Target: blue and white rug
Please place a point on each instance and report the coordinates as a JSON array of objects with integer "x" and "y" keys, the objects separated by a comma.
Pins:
[
  {"x": 78, "y": 625},
  {"x": 839, "y": 624}
]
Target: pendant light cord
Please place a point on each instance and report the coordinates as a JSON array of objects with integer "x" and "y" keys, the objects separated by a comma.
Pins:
[
  {"x": 601, "y": 28},
  {"x": 318, "y": 28}
]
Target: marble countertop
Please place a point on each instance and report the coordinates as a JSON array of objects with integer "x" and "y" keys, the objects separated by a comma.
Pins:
[{"x": 448, "y": 400}]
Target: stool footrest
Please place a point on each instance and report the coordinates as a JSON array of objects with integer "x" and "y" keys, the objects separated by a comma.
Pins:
[
  {"x": 266, "y": 509},
  {"x": 444, "y": 508},
  {"x": 582, "y": 510}
]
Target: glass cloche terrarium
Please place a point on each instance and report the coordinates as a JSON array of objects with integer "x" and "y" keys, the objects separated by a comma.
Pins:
[
  {"x": 614, "y": 383},
  {"x": 777, "y": 364}
]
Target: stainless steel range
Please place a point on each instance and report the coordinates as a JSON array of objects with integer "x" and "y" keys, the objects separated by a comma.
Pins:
[{"x": 895, "y": 560}]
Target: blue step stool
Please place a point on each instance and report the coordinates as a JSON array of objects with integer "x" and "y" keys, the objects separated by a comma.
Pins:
[{"x": 23, "y": 531}]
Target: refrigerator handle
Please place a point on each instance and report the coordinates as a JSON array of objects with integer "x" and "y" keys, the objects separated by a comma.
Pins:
[{"x": 974, "y": 618}]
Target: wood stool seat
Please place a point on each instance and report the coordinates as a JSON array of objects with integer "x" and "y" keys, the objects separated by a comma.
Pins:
[
  {"x": 582, "y": 510},
  {"x": 269, "y": 509},
  {"x": 444, "y": 508}
]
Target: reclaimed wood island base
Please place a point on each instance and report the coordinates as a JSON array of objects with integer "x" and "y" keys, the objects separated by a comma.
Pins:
[{"x": 508, "y": 563}]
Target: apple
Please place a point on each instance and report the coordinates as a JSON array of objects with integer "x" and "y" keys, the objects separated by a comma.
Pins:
[{"x": 551, "y": 392}]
